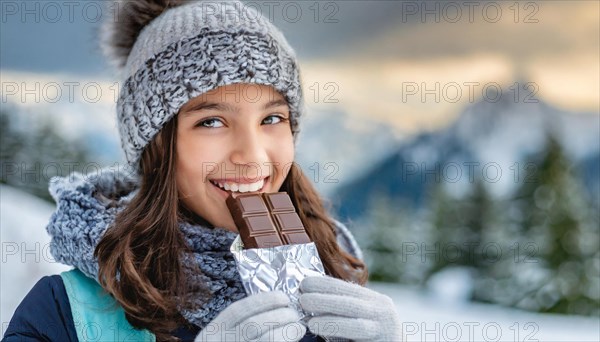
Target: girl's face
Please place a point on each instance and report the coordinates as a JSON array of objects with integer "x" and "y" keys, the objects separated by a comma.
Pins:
[{"x": 234, "y": 138}]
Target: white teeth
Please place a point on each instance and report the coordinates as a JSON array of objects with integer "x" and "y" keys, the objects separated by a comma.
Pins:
[
  {"x": 241, "y": 187},
  {"x": 258, "y": 185}
]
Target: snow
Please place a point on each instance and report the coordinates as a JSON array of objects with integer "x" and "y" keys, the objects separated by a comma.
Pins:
[
  {"x": 426, "y": 318},
  {"x": 451, "y": 284},
  {"x": 25, "y": 247},
  {"x": 443, "y": 314}
]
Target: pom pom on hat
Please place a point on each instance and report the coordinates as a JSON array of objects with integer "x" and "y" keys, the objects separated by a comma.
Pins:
[{"x": 129, "y": 17}]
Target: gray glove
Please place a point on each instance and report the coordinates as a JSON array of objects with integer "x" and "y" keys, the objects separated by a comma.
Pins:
[
  {"x": 265, "y": 316},
  {"x": 347, "y": 310}
]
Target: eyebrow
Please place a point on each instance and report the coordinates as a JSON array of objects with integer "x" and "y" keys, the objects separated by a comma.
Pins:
[
  {"x": 225, "y": 107},
  {"x": 275, "y": 103}
]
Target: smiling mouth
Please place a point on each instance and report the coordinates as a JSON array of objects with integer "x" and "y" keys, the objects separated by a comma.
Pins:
[{"x": 233, "y": 187}]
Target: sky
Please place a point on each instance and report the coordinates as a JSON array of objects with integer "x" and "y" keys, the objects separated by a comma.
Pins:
[
  {"x": 550, "y": 52},
  {"x": 414, "y": 65}
]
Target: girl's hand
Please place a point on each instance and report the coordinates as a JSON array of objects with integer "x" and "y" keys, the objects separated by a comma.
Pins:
[
  {"x": 265, "y": 316},
  {"x": 343, "y": 309}
]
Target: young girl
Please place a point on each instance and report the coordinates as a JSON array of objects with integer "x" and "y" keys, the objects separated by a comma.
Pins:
[{"x": 211, "y": 105}]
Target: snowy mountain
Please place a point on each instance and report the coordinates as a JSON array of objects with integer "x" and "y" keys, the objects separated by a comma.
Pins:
[
  {"x": 513, "y": 128},
  {"x": 332, "y": 151},
  {"x": 490, "y": 141}
]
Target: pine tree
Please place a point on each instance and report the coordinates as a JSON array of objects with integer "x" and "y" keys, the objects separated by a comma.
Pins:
[
  {"x": 381, "y": 240},
  {"x": 457, "y": 227},
  {"x": 444, "y": 218},
  {"x": 392, "y": 241},
  {"x": 31, "y": 157},
  {"x": 491, "y": 235},
  {"x": 476, "y": 211},
  {"x": 554, "y": 224},
  {"x": 462, "y": 232},
  {"x": 9, "y": 141}
]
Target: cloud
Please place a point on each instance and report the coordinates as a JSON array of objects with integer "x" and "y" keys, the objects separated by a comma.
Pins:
[{"x": 548, "y": 50}]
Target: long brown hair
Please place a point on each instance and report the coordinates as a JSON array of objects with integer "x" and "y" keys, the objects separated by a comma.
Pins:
[{"x": 139, "y": 256}]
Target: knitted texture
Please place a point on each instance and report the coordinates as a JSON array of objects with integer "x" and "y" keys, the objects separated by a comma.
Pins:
[
  {"x": 82, "y": 217},
  {"x": 192, "y": 49}
]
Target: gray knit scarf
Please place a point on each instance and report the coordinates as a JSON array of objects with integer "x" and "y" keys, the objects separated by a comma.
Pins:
[{"x": 82, "y": 217}]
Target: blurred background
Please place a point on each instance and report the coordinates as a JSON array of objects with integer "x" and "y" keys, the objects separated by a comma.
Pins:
[{"x": 459, "y": 140}]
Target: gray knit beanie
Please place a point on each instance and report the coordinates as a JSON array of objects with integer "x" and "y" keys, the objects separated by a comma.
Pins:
[{"x": 171, "y": 51}]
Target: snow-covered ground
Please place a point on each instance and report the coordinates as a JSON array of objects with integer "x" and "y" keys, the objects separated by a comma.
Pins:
[
  {"x": 430, "y": 318},
  {"x": 425, "y": 317},
  {"x": 25, "y": 250}
]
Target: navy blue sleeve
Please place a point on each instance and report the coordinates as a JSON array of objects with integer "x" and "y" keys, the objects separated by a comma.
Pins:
[{"x": 43, "y": 315}]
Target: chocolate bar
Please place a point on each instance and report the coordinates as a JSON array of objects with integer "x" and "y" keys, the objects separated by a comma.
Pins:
[
  {"x": 266, "y": 220},
  {"x": 288, "y": 222}
]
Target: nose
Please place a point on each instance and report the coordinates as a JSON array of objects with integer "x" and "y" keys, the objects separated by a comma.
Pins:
[{"x": 249, "y": 148}]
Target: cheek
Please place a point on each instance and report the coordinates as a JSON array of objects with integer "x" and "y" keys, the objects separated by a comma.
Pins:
[
  {"x": 194, "y": 158},
  {"x": 287, "y": 153},
  {"x": 283, "y": 154},
  {"x": 289, "y": 149}
]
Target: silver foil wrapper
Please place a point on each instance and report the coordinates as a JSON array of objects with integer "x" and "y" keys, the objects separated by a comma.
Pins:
[{"x": 277, "y": 268}]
